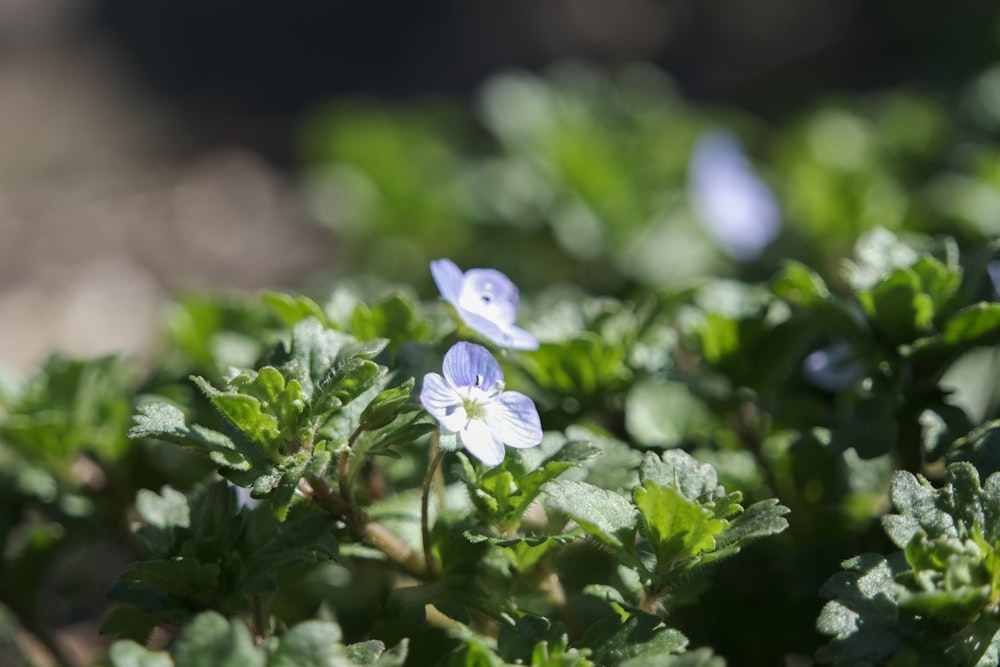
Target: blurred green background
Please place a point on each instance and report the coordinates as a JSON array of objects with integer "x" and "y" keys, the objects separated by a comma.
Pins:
[{"x": 150, "y": 148}]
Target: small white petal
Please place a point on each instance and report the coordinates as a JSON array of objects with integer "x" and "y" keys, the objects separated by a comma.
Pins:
[
  {"x": 509, "y": 336},
  {"x": 471, "y": 365},
  {"x": 520, "y": 339},
  {"x": 448, "y": 278},
  {"x": 514, "y": 420},
  {"x": 442, "y": 402},
  {"x": 478, "y": 440}
]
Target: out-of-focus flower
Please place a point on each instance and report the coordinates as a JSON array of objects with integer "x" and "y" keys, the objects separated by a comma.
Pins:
[
  {"x": 469, "y": 400},
  {"x": 834, "y": 367},
  {"x": 486, "y": 301},
  {"x": 993, "y": 271},
  {"x": 733, "y": 205}
]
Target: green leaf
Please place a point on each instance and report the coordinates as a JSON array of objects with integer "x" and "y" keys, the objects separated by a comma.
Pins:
[
  {"x": 387, "y": 405},
  {"x": 981, "y": 447},
  {"x": 581, "y": 367},
  {"x": 804, "y": 288},
  {"x": 677, "y": 468},
  {"x": 164, "y": 510},
  {"x": 310, "y": 644},
  {"x": 343, "y": 383},
  {"x": 863, "y": 613},
  {"x": 185, "y": 579},
  {"x": 393, "y": 318},
  {"x": 897, "y": 307},
  {"x": 212, "y": 641},
  {"x": 978, "y": 324},
  {"x": 245, "y": 412},
  {"x": 316, "y": 353},
  {"x": 614, "y": 641},
  {"x": 603, "y": 514},
  {"x": 373, "y": 653},
  {"x": 292, "y": 309},
  {"x": 664, "y": 414},
  {"x": 71, "y": 407},
  {"x": 127, "y": 653},
  {"x": 677, "y": 528},
  {"x": 761, "y": 519},
  {"x": 162, "y": 421}
]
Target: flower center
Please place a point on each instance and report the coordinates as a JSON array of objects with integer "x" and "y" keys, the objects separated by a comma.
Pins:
[
  {"x": 476, "y": 397},
  {"x": 474, "y": 409}
]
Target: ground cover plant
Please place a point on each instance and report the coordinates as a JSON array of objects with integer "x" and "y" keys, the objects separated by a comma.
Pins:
[{"x": 602, "y": 393}]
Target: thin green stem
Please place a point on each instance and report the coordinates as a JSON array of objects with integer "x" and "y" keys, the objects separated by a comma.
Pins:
[{"x": 425, "y": 530}]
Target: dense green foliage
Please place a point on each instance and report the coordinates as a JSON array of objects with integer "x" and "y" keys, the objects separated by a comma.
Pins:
[{"x": 715, "y": 448}]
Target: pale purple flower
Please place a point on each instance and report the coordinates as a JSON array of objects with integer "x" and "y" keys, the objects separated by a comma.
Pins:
[
  {"x": 486, "y": 300},
  {"x": 733, "y": 205},
  {"x": 469, "y": 400},
  {"x": 833, "y": 368}
]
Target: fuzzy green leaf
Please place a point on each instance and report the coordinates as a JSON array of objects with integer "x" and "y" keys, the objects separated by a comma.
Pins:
[
  {"x": 677, "y": 528},
  {"x": 609, "y": 517},
  {"x": 387, "y": 405},
  {"x": 248, "y": 413},
  {"x": 761, "y": 519},
  {"x": 162, "y": 421},
  {"x": 863, "y": 613},
  {"x": 614, "y": 641}
]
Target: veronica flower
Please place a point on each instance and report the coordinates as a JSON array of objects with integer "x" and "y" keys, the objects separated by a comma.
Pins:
[
  {"x": 469, "y": 400},
  {"x": 833, "y": 368},
  {"x": 486, "y": 301},
  {"x": 733, "y": 205}
]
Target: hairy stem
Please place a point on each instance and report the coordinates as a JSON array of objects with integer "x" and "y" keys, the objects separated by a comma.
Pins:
[
  {"x": 343, "y": 468},
  {"x": 425, "y": 529},
  {"x": 362, "y": 525}
]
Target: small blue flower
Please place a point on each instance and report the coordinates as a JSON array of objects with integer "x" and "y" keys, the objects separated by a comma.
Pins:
[
  {"x": 733, "y": 205},
  {"x": 486, "y": 300},
  {"x": 469, "y": 400},
  {"x": 833, "y": 368}
]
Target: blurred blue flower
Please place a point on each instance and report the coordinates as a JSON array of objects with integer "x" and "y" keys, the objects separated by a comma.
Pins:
[
  {"x": 469, "y": 400},
  {"x": 993, "y": 270},
  {"x": 486, "y": 301},
  {"x": 833, "y": 368},
  {"x": 733, "y": 205}
]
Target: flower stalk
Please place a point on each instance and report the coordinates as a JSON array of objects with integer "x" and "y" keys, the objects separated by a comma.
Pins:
[{"x": 437, "y": 455}]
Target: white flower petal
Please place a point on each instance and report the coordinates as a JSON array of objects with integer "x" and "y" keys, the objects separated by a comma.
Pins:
[
  {"x": 513, "y": 419},
  {"x": 442, "y": 402},
  {"x": 448, "y": 278},
  {"x": 471, "y": 365},
  {"x": 478, "y": 440},
  {"x": 491, "y": 294},
  {"x": 509, "y": 336},
  {"x": 520, "y": 339}
]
